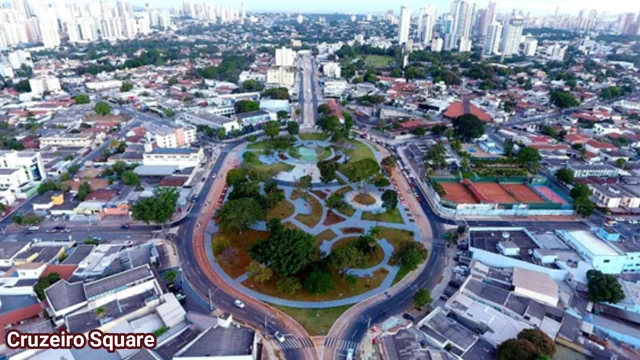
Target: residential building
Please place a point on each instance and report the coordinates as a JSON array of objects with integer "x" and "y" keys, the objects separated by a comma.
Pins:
[
  {"x": 614, "y": 196},
  {"x": 492, "y": 40},
  {"x": 335, "y": 88},
  {"x": 512, "y": 34},
  {"x": 28, "y": 161},
  {"x": 426, "y": 21},
  {"x": 48, "y": 26},
  {"x": 285, "y": 57},
  {"x": 182, "y": 158},
  {"x": 170, "y": 136},
  {"x": 44, "y": 84},
  {"x": 253, "y": 118},
  {"x": 281, "y": 76},
  {"x": 581, "y": 170},
  {"x": 404, "y": 25},
  {"x": 530, "y": 45},
  {"x": 73, "y": 140},
  {"x": 206, "y": 118},
  {"x": 437, "y": 44},
  {"x": 331, "y": 69},
  {"x": 462, "y": 12},
  {"x": 248, "y": 75},
  {"x": 556, "y": 52}
]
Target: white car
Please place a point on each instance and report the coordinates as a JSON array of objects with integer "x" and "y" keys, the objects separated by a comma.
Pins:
[
  {"x": 633, "y": 222},
  {"x": 350, "y": 354},
  {"x": 279, "y": 336},
  {"x": 239, "y": 304}
]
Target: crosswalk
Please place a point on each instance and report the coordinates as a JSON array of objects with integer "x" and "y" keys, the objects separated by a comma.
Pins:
[
  {"x": 340, "y": 344},
  {"x": 296, "y": 343}
]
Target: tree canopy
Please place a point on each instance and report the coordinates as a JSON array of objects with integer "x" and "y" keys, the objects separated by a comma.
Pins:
[
  {"x": 286, "y": 251},
  {"x": 390, "y": 199},
  {"x": 563, "y": 99},
  {"x": 244, "y": 106},
  {"x": 327, "y": 170},
  {"x": 102, "y": 108},
  {"x": 422, "y": 298},
  {"x": 361, "y": 170},
  {"x": 604, "y": 287},
  {"x": 240, "y": 213},
  {"x": 159, "y": 208},
  {"x": 293, "y": 128},
  {"x": 82, "y": 99},
  {"x": 565, "y": 175},
  {"x": 468, "y": 126},
  {"x": 280, "y": 93}
]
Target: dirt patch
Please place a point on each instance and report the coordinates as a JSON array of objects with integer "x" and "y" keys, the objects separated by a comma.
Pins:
[
  {"x": 321, "y": 194},
  {"x": 96, "y": 117},
  {"x": 364, "y": 199},
  {"x": 352, "y": 230},
  {"x": 332, "y": 218}
]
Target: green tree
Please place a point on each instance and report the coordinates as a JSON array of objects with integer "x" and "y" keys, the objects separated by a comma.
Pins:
[
  {"x": 239, "y": 214},
  {"x": 390, "y": 200},
  {"x": 172, "y": 81},
  {"x": 159, "y": 208},
  {"x": 169, "y": 112},
  {"x": 419, "y": 131},
  {"x": 82, "y": 99},
  {"x": 221, "y": 133},
  {"x": 468, "y": 126},
  {"x": 170, "y": 277},
  {"x": 324, "y": 109},
  {"x": 282, "y": 114},
  {"x": 83, "y": 190},
  {"x": 318, "y": 282},
  {"x": 361, "y": 170},
  {"x": 272, "y": 129},
  {"x": 584, "y": 207},
  {"x": 543, "y": 343},
  {"x": 604, "y": 287},
  {"x": 508, "y": 148},
  {"x": 565, "y": 175},
  {"x": 517, "y": 349},
  {"x": 288, "y": 285},
  {"x": 528, "y": 85},
  {"x": 563, "y": 99},
  {"x": 252, "y": 85},
  {"x": 529, "y": 156},
  {"x": 236, "y": 176},
  {"x": 389, "y": 163},
  {"x": 327, "y": 170},
  {"x": 293, "y": 128},
  {"x": 244, "y": 106},
  {"x": 287, "y": 251},
  {"x": 44, "y": 283},
  {"x": 259, "y": 272},
  {"x": 277, "y": 93},
  {"x": 346, "y": 257},
  {"x": 412, "y": 258},
  {"x": 49, "y": 185},
  {"x": 621, "y": 163},
  {"x": 580, "y": 190},
  {"x": 102, "y": 108},
  {"x": 130, "y": 178},
  {"x": 422, "y": 298},
  {"x": 126, "y": 87},
  {"x": 436, "y": 156}
]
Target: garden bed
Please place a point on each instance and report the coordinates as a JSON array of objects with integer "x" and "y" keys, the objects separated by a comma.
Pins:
[
  {"x": 352, "y": 230},
  {"x": 312, "y": 219},
  {"x": 325, "y": 235},
  {"x": 235, "y": 261},
  {"x": 332, "y": 218},
  {"x": 393, "y": 216},
  {"x": 364, "y": 199},
  {"x": 283, "y": 210}
]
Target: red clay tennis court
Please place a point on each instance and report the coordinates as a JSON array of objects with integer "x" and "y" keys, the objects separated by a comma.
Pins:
[
  {"x": 458, "y": 193},
  {"x": 522, "y": 193},
  {"x": 495, "y": 193}
]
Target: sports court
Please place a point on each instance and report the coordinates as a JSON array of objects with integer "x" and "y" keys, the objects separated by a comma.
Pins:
[
  {"x": 522, "y": 193},
  {"x": 495, "y": 193},
  {"x": 458, "y": 193},
  {"x": 550, "y": 194}
]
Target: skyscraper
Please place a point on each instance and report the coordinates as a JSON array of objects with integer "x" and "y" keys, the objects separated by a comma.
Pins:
[
  {"x": 512, "y": 35},
  {"x": 492, "y": 40},
  {"x": 426, "y": 20},
  {"x": 487, "y": 18},
  {"x": 49, "y": 31},
  {"x": 403, "y": 26},
  {"x": 461, "y": 27}
]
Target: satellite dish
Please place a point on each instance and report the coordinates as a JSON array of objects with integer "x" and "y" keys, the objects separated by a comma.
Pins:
[{"x": 505, "y": 235}]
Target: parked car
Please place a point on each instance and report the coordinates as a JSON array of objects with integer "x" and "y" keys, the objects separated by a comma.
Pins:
[
  {"x": 279, "y": 336},
  {"x": 350, "y": 354},
  {"x": 125, "y": 226},
  {"x": 408, "y": 316},
  {"x": 59, "y": 227},
  {"x": 239, "y": 304},
  {"x": 33, "y": 228}
]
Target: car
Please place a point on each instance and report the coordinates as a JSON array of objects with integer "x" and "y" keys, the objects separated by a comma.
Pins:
[
  {"x": 50, "y": 231},
  {"x": 619, "y": 219},
  {"x": 59, "y": 227},
  {"x": 65, "y": 231},
  {"x": 96, "y": 238},
  {"x": 239, "y": 304},
  {"x": 350, "y": 354},
  {"x": 125, "y": 226},
  {"x": 33, "y": 228},
  {"x": 203, "y": 179},
  {"x": 633, "y": 222},
  {"x": 214, "y": 175},
  {"x": 408, "y": 316},
  {"x": 279, "y": 336}
]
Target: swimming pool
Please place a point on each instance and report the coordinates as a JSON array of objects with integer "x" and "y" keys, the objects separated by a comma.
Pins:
[{"x": 471, "y": 150}]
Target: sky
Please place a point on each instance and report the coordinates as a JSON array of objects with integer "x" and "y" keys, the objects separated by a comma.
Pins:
[{"x": 537, "y": 7}]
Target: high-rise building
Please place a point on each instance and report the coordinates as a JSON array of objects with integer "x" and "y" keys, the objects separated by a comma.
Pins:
[
  {"x": 436, "y": 44},
  {"x": 49, "y": 32},
  {"x": 462, "y": 12},
  {"x": 530, "y": 45},
  {"x": 512, "y": 36},
  {"x": 492, "y": 40},
  {"x": 488, "y": 18},
  {"x": 426, "y": 21},
  {"x": 44, "y": 83},
  {"x": 628, "y": 25},
  {"x": 404, "y": 25},
  {"x": 285, "y": 57}
]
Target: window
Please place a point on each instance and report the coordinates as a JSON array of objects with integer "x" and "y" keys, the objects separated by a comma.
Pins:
[{"x": 606, "y": 261}]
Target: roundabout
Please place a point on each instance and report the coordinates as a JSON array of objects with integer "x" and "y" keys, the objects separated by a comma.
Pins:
[{"x": 348, "y": 255}]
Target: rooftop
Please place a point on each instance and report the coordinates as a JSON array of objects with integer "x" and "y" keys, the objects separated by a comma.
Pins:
[
  {"x": 591, "y": 242},
  {"x": 450, "y": 330},
  {"x": 114, "y": 282},
  {"x": 220, "y": 341}
]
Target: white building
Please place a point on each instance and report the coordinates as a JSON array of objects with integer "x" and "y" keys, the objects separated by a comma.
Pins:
[
  {"x": 285, "y": 57},
  {"x": 49, "y": 36},
  {"x": 461, "y": 25},
  {"x": 556, "y": 52},
  {"x": 492, "y": 41},
  {"x": 331, "y": 69},
  {"x": 465, "y": 45},
  {"x": 206, "y": 118},
  {"x": 281, "y": 76},
  {"x": 170, "y": 136},
  {"x": 44, "y": 84},
  {"x": 18, "y": 58},
  {"x": 248, "y": 75},
  {"x": 601, "y": 250},
  {"x": 404, "y": 24},
  {"x": 73, "y": 140},
  {"x": 426, "y": 20},
  {"x": 335, "y": 88},
  {"x": 182, "y": 158},
  {"x": 6, "y": 71},
  {"x": 530, "y": 45},
  {"x": 437, "y": 44},
  {"x": 104, "y": 85},
  {"x": 30, "y": 162},
  {"x": 512, "y": 35}
]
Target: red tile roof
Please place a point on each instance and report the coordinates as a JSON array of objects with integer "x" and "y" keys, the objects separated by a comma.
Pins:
[
  {"x": 101, "y": 195},
  {"x": 457, "y": 109},
  {"x": 65, "y": 271},
  {"x": 173, "y": 181},
  {"x": 600, "y": 145},
  {"x": 15, "y": 316}
]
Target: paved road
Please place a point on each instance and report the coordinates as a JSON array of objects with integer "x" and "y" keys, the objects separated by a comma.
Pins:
[
  {"x": 201, "y": 283},
  {"x": 308, "y": 98}
]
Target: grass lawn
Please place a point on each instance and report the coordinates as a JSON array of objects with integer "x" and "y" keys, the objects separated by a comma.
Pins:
[
  {"x": 313, "y": 136},
  {"x": 347, "y": 210},
  {"x": 468, "y": 174},
  {"x": 344, "y": 190},
  {"x": 396, "y": 236},
  {"x": 340, "y": 289},
  {"x": 261, "y": 145},
  {"x": 364, "y": 199},
  {"x": 325, "y": 235},
  {"x": 268, "y": 171},
  {"x": 240, "y": 243},
  {"x": 392, "y": 216},
  {"x": 359, "y": 152},
  {"x": 282, "y": 211},
  {"x": 377, "y": 61},
  {"x": 316, "y": 321},
  {"x": 323, "y": 153},
  {"x": 312, "y": 219},
  {"x": 404, "y": 271},
  {"x": 293, "y": 152},
  {"x": 372, "y": 259}
]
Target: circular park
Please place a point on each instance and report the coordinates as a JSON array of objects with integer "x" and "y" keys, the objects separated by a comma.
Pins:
[{"x": 311, "y": 222}]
